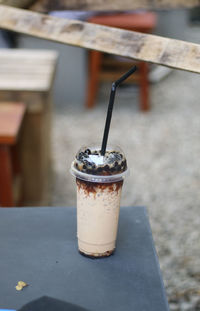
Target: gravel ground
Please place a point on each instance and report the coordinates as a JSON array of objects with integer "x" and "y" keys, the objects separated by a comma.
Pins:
[{"x": 163, "y": 153}]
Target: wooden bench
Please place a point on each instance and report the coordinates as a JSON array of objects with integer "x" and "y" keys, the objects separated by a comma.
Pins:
[
  {"x": 102, "y": 68},
  {"x": 11, "y": 117},
  {"x": 27, "y": 76}
]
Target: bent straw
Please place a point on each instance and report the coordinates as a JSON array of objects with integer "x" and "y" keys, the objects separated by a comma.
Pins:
[{"x": 110, "y": 107}]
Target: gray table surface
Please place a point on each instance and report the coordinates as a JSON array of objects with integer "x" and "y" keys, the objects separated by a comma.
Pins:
[{"x": 38, "y": 246}]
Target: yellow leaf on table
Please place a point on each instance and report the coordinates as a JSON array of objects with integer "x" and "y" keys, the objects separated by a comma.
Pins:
[{"x": 21, "y": 285}]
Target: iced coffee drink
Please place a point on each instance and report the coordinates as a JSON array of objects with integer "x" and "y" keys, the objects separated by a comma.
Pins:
[{"x": 99, "y": 182}]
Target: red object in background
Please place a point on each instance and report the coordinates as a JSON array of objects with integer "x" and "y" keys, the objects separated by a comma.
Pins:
[
  {"x": 141, "y": 22},
  {"x": 11, "y": 116}
]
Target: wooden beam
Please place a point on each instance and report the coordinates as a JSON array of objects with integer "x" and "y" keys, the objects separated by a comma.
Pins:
[
  {"x": 139, "y": 46},
  {"x": 18, "y": 3},
  {"x": 107, "y": 5}
]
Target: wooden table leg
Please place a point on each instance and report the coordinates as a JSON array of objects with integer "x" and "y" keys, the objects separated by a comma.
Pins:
[{"x": 6, "y": 193}]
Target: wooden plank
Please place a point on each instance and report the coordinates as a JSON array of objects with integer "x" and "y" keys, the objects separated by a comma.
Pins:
[
  {"x": 15, "y": 85},
  {"x": 106, "y": 5},
  {"x": 25, "y": 70},
  {"x": 150, "y": 48},
  {"x": 28, "y": 56}
]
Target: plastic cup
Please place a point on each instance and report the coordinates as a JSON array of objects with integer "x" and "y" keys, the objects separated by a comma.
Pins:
[{"x": 98, "y": 205}]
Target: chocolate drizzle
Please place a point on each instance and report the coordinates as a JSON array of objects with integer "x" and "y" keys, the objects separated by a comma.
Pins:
[{"x": 90, "y": 187}]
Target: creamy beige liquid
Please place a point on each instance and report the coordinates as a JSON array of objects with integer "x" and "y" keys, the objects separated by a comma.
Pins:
[{"x": 97, "y": 217}]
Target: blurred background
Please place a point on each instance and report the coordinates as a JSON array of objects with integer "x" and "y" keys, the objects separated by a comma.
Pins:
[{"x": 155, "y": 121}]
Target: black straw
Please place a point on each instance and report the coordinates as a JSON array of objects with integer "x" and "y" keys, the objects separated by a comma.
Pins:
[{"x": 110, "y": 107}]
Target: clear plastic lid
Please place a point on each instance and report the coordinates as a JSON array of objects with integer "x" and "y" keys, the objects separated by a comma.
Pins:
[{"x": 97, "y": 178}]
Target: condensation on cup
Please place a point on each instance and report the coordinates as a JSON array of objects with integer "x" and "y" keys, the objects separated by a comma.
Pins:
[{"x": 99, "y": 182}]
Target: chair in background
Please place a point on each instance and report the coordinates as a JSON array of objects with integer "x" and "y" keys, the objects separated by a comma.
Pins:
[{"x": 108, "y": 68}]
